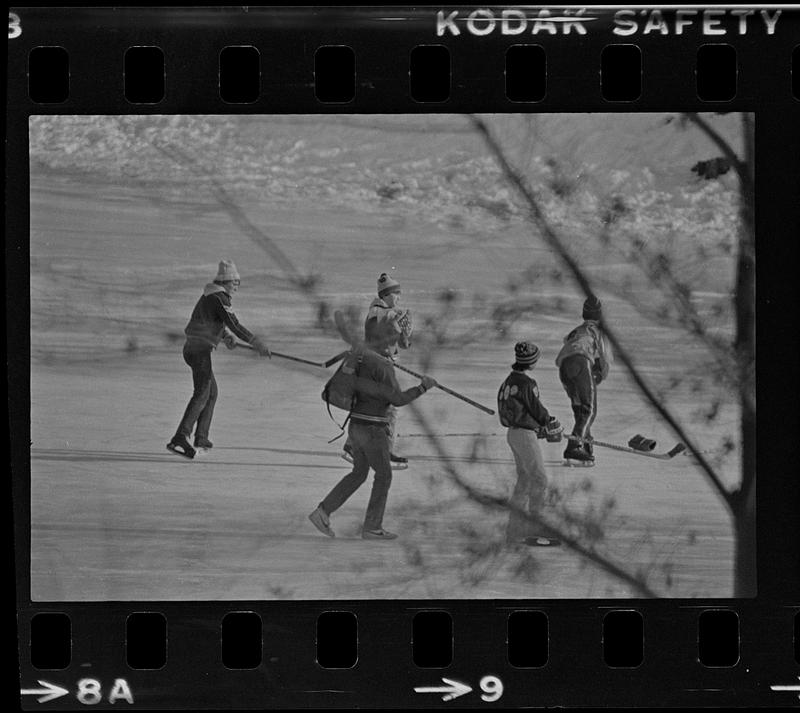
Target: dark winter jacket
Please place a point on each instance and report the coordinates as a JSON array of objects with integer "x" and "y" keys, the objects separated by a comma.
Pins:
[
  {"x": 377, "y": 388},
  {"x": 518, "y": 403},
  {"x": 211, "y": 315}
]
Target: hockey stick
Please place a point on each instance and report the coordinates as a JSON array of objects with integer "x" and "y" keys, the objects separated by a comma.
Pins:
[
  {"x": 344, "y": 331},
  {"x": 677, "y": 448},
  {"x": 336, "y": 359},
  {"x": 447, "y": 391},
  {"x": 283, "y": 356}
]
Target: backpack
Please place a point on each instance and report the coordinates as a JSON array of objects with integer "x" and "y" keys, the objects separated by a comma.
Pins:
[{"x": 340, "y": 391}]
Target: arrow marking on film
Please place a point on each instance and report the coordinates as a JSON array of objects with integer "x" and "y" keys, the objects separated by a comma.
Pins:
[
  {"x": 787, "y": 688},
  {"x": 49, "y": 691},
  {"x": 452, "y": 690}
]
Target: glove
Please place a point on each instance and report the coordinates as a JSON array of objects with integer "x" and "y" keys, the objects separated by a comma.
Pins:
[
  {"x": 404, "y": 322},
  {"x": 641, "y": 443},
  {"x": 553, "y": 430},
  {"x": 428, "y": 382},
  {"x": 230, "y": 341},
  {"x": 260, "y": 346},
  {"x": 597, "y": 371}
]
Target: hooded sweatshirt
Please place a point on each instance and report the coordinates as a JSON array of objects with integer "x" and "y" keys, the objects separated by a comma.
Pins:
[{"x": 211, "y": 315}]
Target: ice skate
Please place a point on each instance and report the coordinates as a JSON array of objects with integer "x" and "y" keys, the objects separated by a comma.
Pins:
[
  {"x": 181, "y": 447},
  {"x": 202, "y": 445},
  {"x": 577, "y": 463},
  {"x": 577, "y": 457},
  {"x": 398, "y": 462}
]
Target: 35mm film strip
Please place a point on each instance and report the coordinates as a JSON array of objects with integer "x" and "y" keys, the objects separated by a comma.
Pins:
[{"x": 404, "y": 357}]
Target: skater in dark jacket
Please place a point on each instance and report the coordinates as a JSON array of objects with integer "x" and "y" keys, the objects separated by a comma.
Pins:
[
  {"x": 212, "y": 320},
  {"x": 527, "y": 420},
  {"x": 376, "y": 390},
  {"x": 583, "y": 363}
]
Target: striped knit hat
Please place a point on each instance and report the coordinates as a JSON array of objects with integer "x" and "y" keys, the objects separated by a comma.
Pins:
[{"x": 526, "y": 353}]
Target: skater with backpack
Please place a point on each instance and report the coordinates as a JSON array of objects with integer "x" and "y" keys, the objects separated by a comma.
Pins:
[
  {"x": 212, "y": 321},
  {"x": 387, "y": 329},
  {"x": 583, "y": 363},
  {"x": 372, "y": 389}
]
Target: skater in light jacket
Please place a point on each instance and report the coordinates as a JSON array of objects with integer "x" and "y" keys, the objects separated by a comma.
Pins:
[{"x": 583, "y": 363}]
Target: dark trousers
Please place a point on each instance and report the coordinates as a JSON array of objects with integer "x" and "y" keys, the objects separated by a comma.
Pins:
[
  {"x": 576, "y": 377},
  {"x": 370, "y": 450},
  {"x": 200, "y": 409}
]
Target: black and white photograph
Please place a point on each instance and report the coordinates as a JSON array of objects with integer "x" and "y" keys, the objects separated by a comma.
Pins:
[{"x": 390, "y": 357}]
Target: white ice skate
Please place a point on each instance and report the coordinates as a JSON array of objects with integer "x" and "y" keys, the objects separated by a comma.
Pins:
[{"x": 398, "y": 462}]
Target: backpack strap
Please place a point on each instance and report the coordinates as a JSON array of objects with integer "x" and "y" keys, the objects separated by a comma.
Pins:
[
  {"x": 359, "y": 359},
  {"x": 336, "y": 438}
]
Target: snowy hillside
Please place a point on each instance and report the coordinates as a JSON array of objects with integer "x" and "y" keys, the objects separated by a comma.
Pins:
[{"x": 432, "y": 167}]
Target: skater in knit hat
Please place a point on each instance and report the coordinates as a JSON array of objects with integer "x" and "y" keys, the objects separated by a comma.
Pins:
[
  {"x": 387, "y": 329},
  {"x": 376, "y": 391},
  {"x": 583, "y": 363},
  {"x": 527, "y": 420},
  {"x": 212, "y": 321}
]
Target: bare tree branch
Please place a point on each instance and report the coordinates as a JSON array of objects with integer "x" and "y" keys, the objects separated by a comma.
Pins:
[
  {"x": 749, "y": 145},
  {"x": 745, "y": 296},
  {"x": 722, "y": 145},
  {"x": 236, "y": 214},
  {"x": 497, "y": 503},
  {"x": 689, "y": 318},
  {"x": 554, "y": 241},
  {"x": 296, "y": 278}
]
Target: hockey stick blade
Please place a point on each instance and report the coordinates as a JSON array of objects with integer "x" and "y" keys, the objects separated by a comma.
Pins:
[{"x": 671, "y": 453}]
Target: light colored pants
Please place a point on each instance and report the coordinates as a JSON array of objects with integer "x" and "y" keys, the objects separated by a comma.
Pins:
[{"x": 529, "y": 490}]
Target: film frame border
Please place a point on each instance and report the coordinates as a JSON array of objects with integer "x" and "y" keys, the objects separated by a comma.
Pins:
[{"x": 764, "y": 619}]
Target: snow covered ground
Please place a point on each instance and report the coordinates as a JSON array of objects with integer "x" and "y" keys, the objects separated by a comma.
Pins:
[{"x": 125, "y": 235}]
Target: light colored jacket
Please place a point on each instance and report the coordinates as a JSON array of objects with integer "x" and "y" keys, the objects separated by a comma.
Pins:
[
  {"x": 383, "y": 328},
  {"x": 587, "y": 339}
]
